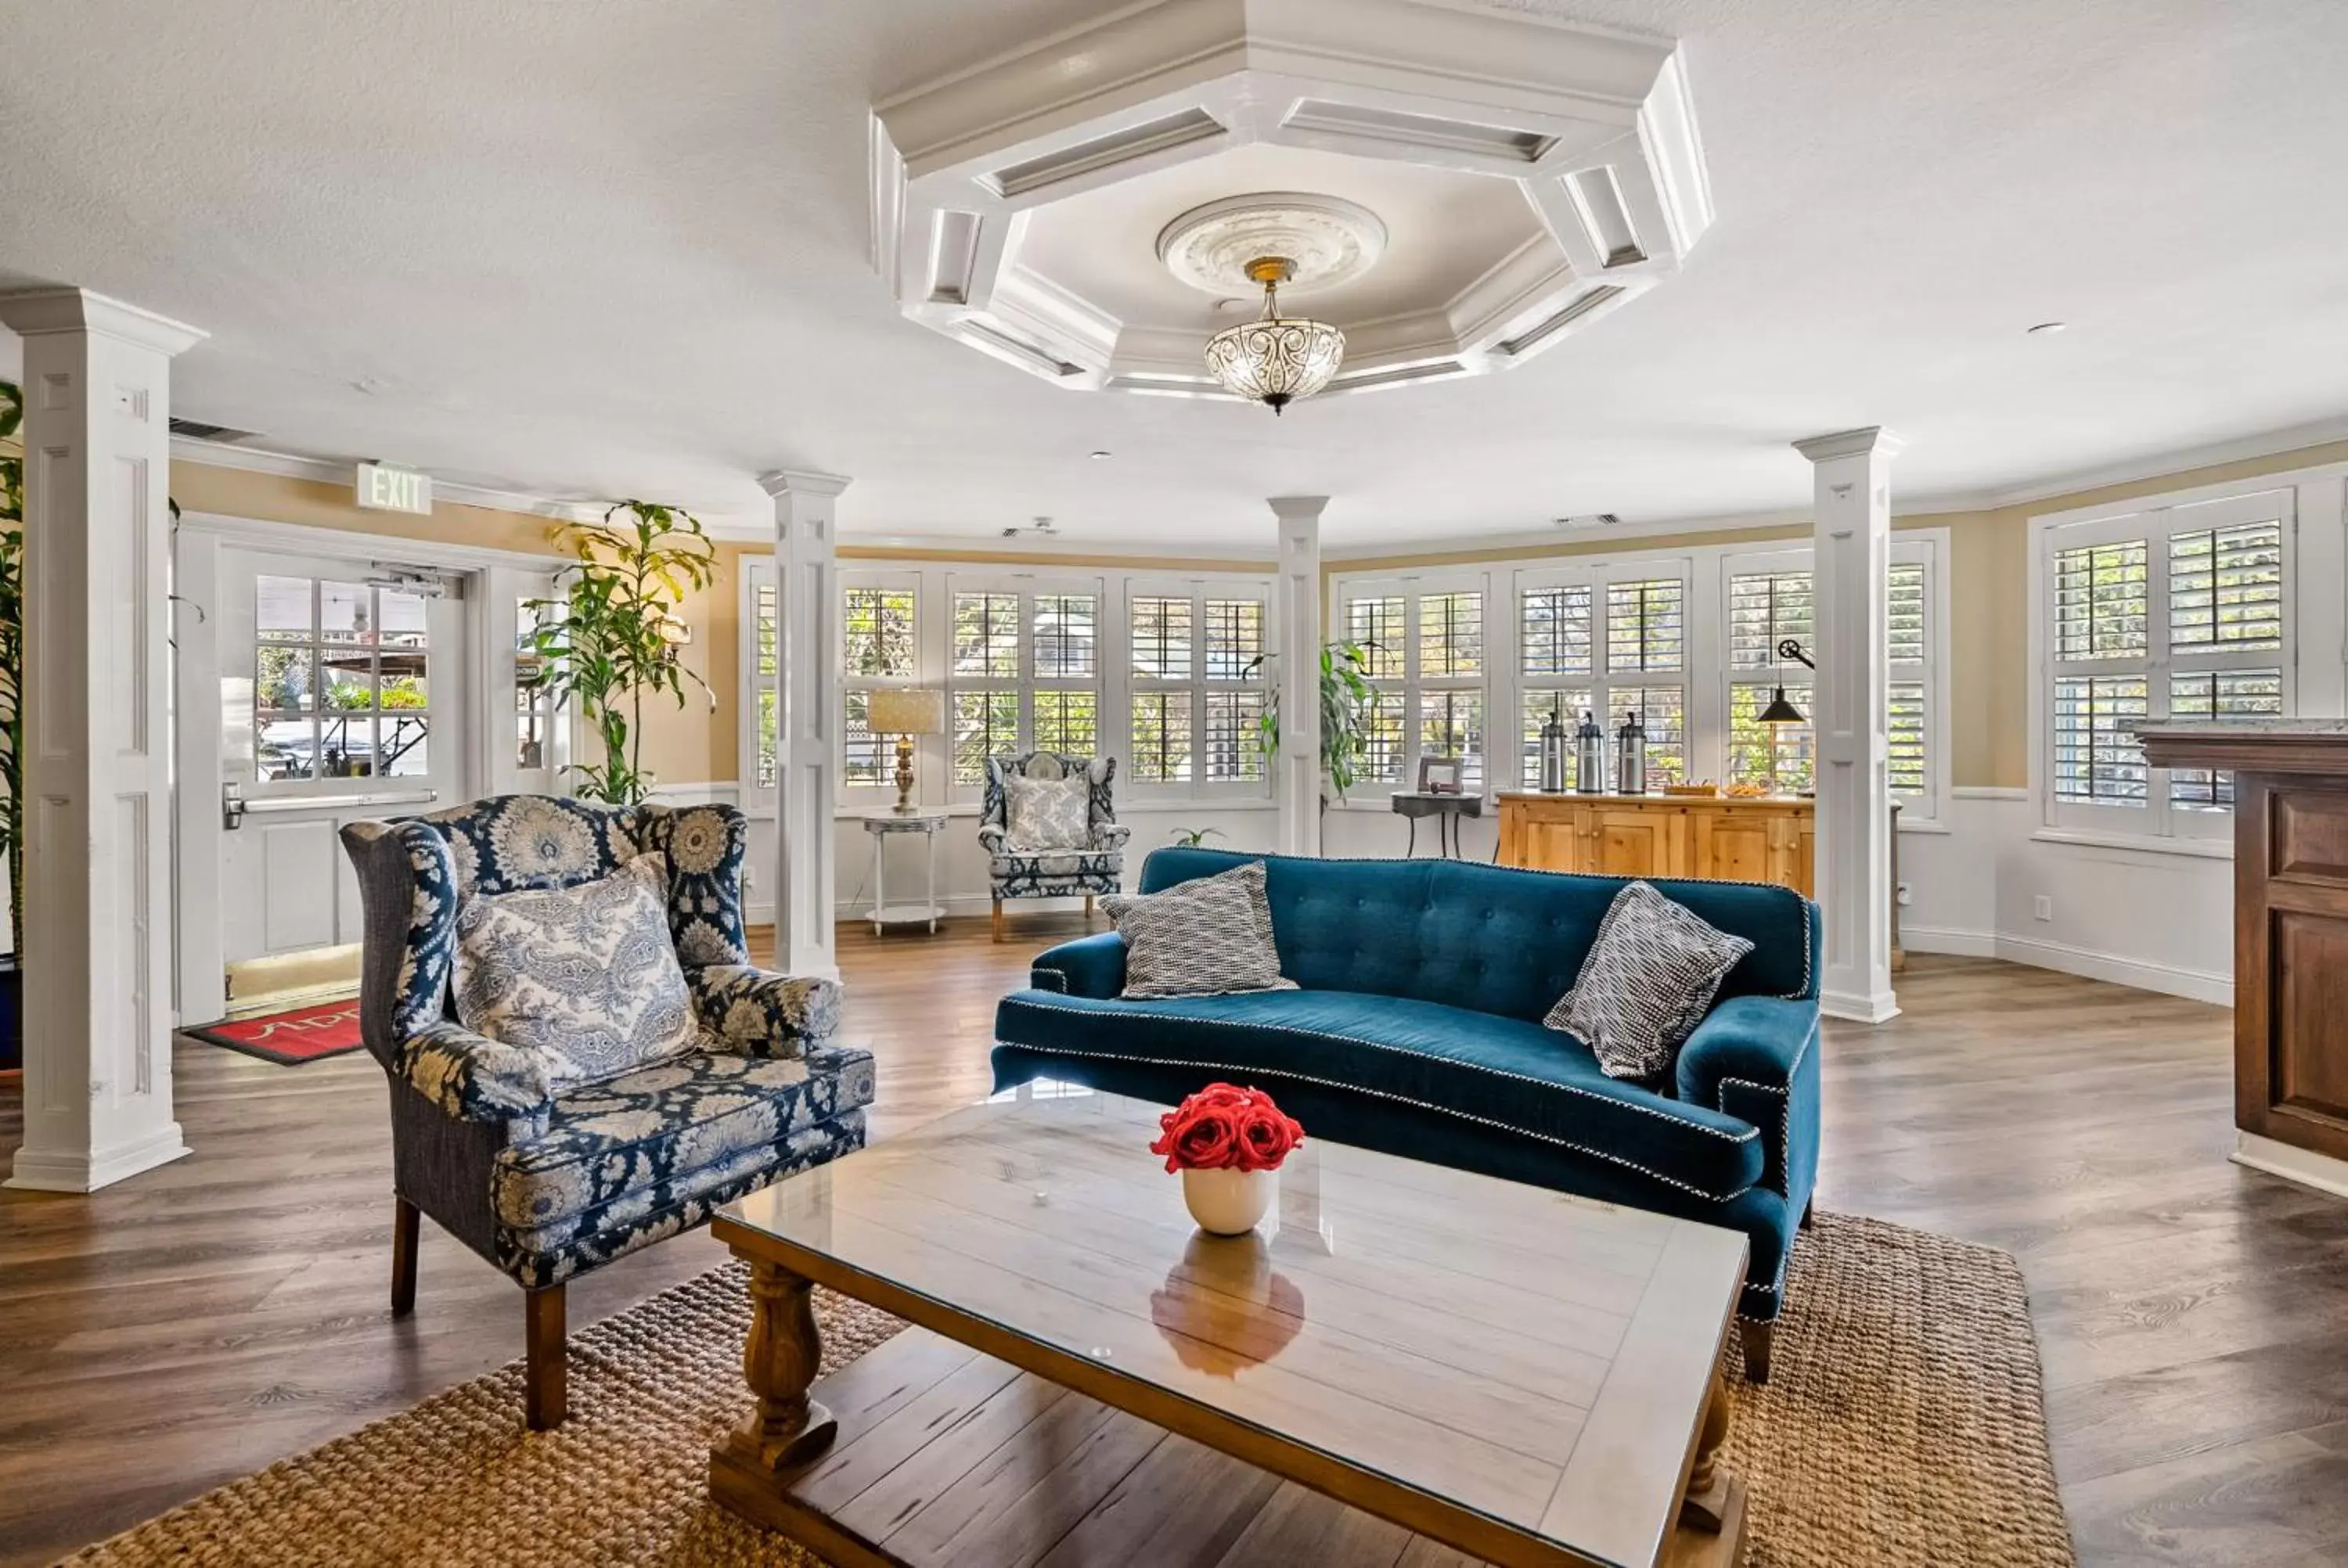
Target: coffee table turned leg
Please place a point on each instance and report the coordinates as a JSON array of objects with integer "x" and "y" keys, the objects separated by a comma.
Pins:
[
  {"x": 779, "y": 1360},
  {"x": 1712, "y": 1515}
]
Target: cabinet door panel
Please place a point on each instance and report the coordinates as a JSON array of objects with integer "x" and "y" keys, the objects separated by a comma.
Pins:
[
  {"x": 1739, "y": 847},
  {"x": 1637, "y": 842}
]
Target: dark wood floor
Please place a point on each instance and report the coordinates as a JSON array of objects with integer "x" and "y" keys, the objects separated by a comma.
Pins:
[{"x": 202, "y": 1320}]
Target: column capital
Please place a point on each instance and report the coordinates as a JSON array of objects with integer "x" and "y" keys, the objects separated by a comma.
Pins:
[
  {"x": 37, "y": 312},
  {"x": 784, "y": 482},
  {"x": 1299, "y": 508},
  {"x": 1867, "y": 440}
]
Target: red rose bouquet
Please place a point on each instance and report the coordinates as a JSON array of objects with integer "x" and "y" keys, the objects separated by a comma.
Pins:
[{"x": 1227, "y": 1128}]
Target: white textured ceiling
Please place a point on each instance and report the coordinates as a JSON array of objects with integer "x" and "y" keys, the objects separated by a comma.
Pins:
[{"x": 597, "y": 247}]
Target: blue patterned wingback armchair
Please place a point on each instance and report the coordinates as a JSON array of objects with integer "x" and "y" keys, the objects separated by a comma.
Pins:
[
  {"x": 546, "y": 1182},
  {"x": 1098, "y": 866}
]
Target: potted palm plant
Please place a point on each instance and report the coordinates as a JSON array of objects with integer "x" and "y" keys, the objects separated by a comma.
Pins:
[{"x": 615, "y": 634}]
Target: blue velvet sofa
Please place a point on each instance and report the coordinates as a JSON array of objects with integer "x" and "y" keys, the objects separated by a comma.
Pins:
[{"x": 1417, "y": 1030}]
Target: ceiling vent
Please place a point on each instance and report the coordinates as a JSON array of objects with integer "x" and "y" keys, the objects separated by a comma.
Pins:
[
  {"x": 1107, "y": 152},
  {"x": 1352, "y": 122},
  {"x": 1590, "y": 520},
  {"x": 197, "y": 430}
]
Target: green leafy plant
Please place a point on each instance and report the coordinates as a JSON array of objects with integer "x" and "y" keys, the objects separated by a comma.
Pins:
[
  {"x": 1346, "y": 696},
  {"x": 608, "y": 641},
  {"x": 12, "y": 659},
  {"x": 1194, "y": 838}
]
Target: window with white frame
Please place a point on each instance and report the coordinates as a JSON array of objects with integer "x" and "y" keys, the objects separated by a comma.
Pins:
[
  {"x": 1195, "y": 689},
  {"x": 2178, "y": 612},
  {"x": 1766, "y": 609},
  {"x": 1423, "y": 644},
  {"x": 1769, "y": 601},
  {"x": 1607, "y": 640},
  {"x": 878, "y": 637},
  {"x": 1022, "y": 673}
]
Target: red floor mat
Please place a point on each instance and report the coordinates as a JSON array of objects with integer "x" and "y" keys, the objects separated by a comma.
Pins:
[{"x": 289, "y": 1038}]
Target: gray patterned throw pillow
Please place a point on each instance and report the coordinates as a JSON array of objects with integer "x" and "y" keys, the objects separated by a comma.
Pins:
[
  {"x": 1047, "y": 814},
  {"x": 587, "y": 977},
  {"x": 1646, "y": 983},
  {"x": 1208, "y": 937}
]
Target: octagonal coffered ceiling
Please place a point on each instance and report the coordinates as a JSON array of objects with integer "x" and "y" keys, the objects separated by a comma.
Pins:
[{"x": 1518, "y": 180}]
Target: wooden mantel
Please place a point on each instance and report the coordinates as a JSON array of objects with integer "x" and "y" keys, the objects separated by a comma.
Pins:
[{"x": 2290, "y": 932}]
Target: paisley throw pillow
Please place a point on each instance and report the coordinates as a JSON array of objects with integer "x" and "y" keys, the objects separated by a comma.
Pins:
[
  {"x": 586, "y": 976},
  {"x": 1047, "y": 814}
]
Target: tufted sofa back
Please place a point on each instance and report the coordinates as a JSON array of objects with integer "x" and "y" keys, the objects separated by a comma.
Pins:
[{"x": 1492, "y": 938}]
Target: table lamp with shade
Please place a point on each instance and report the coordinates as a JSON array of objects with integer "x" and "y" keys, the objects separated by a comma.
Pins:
[{"x": 905, "y": 712}]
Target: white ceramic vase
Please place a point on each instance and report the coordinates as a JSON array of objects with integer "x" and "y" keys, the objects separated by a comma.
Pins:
[{"x": 1229, "y": 1202}]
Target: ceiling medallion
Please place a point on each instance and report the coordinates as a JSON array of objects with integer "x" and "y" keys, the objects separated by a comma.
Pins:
[
  {"x": 1274, "y": 360},
  {"x": 1325, "y": 241},
  {"x": 1275, "y": 237}
]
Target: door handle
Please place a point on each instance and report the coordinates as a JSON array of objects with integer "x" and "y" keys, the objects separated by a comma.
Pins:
[{"x": 232, "y": 807}]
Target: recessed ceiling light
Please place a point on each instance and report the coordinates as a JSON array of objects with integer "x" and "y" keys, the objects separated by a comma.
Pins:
[
  {"x": 2044, "y": 327},
  {"x": 1100, "y": 456}
]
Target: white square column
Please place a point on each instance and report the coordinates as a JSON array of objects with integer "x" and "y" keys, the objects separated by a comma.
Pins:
[
  {"x": 1851, "y": 560},
  {"x": 807, "y": 750},
  {"x": 1296, "y": 783},
  {"x": 96, "y": 741}
]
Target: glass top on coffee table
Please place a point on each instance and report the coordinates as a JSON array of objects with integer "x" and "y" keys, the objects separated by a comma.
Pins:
[{"x": 1514, "y": 1371}]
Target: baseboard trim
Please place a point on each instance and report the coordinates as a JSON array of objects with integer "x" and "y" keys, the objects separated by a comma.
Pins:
[
  {"x": 2292, "y": 1164},
  {"x": 1947, "y": 939},
  {"x": 2196, "y": 985}
]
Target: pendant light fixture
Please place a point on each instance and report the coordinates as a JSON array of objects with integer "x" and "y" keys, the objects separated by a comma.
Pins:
[
  {"x": 1780, "y": 710},
  {"x": 1274, "y": 360}
]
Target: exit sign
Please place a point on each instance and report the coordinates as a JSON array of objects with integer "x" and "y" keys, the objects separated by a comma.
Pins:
[{"x": 382, "y": 489}]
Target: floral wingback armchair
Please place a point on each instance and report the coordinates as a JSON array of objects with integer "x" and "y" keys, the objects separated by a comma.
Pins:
[
  {"x": 546, "y": 1177},
  {"x": 1095, "y": 865}
]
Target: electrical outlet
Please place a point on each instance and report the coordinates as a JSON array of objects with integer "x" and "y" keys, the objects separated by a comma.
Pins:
[
  {"x": 2043, "y": 907},
  {"x": 1904, "y": 897}
]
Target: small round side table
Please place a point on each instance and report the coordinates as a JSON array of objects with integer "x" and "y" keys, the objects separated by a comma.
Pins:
[{"x": 882, "y": 826}]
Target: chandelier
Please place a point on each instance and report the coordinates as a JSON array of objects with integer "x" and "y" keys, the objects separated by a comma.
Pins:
[{"x": 1274, "y": 360}]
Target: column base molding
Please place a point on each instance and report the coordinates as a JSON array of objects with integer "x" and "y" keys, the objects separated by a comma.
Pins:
[
  {"x": 1859, "y": 1007},
  {"x": 73, "y": 1171}
]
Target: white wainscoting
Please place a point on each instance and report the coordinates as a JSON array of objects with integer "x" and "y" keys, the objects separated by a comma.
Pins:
[{"x": 2154, "y": 921}]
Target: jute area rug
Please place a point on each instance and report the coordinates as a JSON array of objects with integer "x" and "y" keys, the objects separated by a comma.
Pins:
[{"x": 1904, "y": 1425}]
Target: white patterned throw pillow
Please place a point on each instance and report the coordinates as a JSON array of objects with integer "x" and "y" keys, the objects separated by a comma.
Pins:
[
  {"x": 1047, "y": 814},
  {"x": 586, "y": 976},
  {"x": 1207, "y": 938},
  {"x": 1646, "y": 983}
]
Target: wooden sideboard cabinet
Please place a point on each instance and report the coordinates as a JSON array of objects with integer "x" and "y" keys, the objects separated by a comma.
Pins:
[
  {"x": 1767, "y": 839},
  {"x": 2290, "y": 932}
]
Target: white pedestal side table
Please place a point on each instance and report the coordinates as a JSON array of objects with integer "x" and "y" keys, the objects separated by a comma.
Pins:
[{"x": 882, "y": 826}]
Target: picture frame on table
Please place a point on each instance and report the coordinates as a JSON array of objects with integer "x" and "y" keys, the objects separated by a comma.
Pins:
[{"x": 1438, "y": 775}]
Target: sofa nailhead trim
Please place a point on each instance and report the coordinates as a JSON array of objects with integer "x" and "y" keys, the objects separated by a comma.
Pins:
[
  {"x": 1038, "y": 972},
  {"x": 1397, "y": 1099},
  {"x": 1745, "y": 1137}
]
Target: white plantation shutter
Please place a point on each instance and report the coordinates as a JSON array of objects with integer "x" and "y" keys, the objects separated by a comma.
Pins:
[
  {"x": 1424, "y": 642},
  {"x": 1196, "y": 685},
  {"x": 1764, "y": 609},
  {"x": 2180, "y": 611}
]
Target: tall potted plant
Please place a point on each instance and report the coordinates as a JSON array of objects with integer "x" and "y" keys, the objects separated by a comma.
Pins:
[
  {"x": 615, "y": 634},
  {"x": 1346, "y": 697},
  {"x": 12, "y": 719}
]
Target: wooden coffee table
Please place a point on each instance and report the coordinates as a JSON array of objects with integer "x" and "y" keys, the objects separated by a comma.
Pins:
[{"x": 1414, "y": 1365}]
